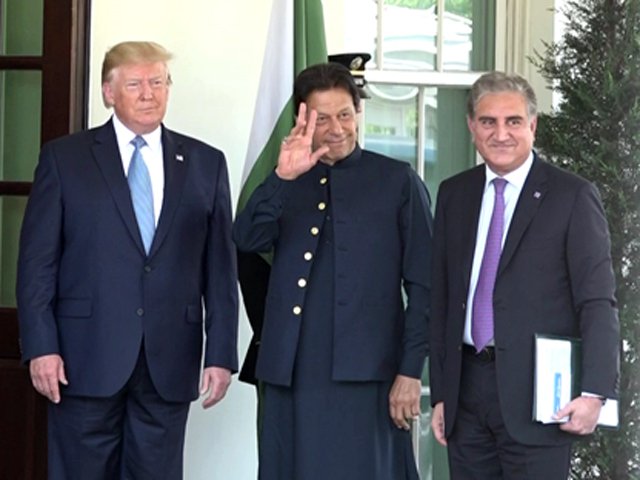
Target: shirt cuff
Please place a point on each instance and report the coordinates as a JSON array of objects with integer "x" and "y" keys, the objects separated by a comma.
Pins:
[{"x": 594, "y": 395}]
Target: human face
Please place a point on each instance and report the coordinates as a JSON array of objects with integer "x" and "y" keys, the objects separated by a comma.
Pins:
[
  {"x": 138, "y": 94},
  {"x": 502, "y": 131},
  {"x": 336, "y": 124}
]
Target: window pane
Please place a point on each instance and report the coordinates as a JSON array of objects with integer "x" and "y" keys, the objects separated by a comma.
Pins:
[
  {"x": 20, "y": 104},
  {"x": 469, "y": 35},
  {"x": 11, "y": 213},
  {"x": 409, "y": 35},
  {"x": 21, "y": 27},
  {"x": 457, "y": 29},
  {"x": 361, "y": 25},
  {"x": 391, "y": 129},
  {"x": 409, "y": 32},
  {"x": 448, "y": 147},
  {"x": 391, "y": 121}
]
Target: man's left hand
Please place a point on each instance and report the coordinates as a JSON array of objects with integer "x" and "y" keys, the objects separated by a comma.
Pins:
[
  {"x": 215, "y": 380},
  {"x": 404, "y": 401},
  {"x": 583, "y": 415}
]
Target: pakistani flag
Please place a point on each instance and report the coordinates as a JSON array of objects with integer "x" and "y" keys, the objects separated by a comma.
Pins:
[{"x": 295, "y": 40}]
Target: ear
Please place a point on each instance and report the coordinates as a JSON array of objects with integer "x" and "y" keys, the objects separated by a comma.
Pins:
[
  {"x": 469, "y": 122},
  {"x": 107, "y": 94},
  {"x": 533, "y": 125},
  {"x": 471, "y": 126}
]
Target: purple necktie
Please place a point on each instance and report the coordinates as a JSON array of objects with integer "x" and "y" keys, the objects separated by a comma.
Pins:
[{"x": 482, "y": 318}]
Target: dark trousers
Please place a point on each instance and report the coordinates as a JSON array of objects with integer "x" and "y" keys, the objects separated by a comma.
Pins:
[
  {"x": 480, "y": 448},
  {"x": 133, "y": 435}
]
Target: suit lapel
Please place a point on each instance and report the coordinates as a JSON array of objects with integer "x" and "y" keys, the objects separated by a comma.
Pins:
[
  {"x": 532, "y": 195},
  {"x": 107, "y": 156},
  {"x": 175, "y": 168},
  {"x": 469, "y": 222}
]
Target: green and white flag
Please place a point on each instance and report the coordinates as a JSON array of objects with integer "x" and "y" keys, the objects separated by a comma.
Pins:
[{"x": 296, "y": 39}]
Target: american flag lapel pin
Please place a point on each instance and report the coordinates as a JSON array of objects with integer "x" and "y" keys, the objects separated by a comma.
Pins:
[{"x": 179, "y": 157}]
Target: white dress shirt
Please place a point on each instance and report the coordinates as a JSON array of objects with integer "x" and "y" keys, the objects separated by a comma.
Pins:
[
  {"x": 151, "y": 154},
  {"x": 515, "y": 182}
]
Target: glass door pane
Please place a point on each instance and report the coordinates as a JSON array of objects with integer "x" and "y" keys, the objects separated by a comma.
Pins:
[
  {"x": 391, "y": 121},
  {"x": 21, "y": 27},
  {"x": 448, "y": 147},
  {"x": 456, "y": 30},
  {"x": 11, "y": 213},
  {"x": 20, "y": 113},
  {"x": 409, "y": 35}
]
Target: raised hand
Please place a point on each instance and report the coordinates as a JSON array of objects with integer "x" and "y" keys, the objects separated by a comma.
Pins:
[{"x": 296, "y": 155}]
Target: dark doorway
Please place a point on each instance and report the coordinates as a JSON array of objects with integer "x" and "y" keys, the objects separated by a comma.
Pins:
[{"x": 43, "y": 59}]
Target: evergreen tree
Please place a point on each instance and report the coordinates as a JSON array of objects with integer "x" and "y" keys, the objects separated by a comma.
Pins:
[{"x": 595, "y": 131}]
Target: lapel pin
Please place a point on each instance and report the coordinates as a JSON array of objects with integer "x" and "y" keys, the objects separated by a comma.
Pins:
[
  {"x": 537, "y": 195},
  {"x": 179, "y": 157}
]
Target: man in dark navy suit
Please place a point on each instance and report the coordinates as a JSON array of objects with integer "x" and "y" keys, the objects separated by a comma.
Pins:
[
  {"x": 125, "y": 260},
  {"x": 521, "y": 248}
]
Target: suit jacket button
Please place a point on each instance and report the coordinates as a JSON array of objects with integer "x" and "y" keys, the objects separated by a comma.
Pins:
[
  {"x": 322, "y": 206},
  {"x": 315, "y": 231},
  {"x": 323, "y": 181},
  {"x": 147, "y": 269},
  {"x": 308, "y": 256},
  {"x": 140, "y": 312},
  {"x": 297, "y": 310},
  {"x": 302, "y": 282}
]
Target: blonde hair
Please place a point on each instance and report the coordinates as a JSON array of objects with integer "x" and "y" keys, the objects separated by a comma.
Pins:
[{"x": 131, "y": 53}]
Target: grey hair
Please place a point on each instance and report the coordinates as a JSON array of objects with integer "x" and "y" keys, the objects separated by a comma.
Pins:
[{"x": 498, "y": 82}]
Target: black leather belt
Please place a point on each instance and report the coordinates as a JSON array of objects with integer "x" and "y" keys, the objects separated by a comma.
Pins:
[{"x": 487, "y": 354}]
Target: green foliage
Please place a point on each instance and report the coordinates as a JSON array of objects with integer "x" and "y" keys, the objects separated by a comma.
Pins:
[
  {"x": 459, "y": 7},
  {"x": 422, "y": 4},
  {"x": 595, "y": 131}
]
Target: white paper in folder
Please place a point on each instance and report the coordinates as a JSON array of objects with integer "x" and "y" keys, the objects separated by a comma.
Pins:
[{"x": 557, "y": 360}]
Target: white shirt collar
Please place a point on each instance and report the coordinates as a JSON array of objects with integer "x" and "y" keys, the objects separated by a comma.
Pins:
[
  {"x": 516, "y": 177},
  {"x": 124, "y": 136}
]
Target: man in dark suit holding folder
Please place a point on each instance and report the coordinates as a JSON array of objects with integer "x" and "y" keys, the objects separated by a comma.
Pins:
[
  {"x": 520, "y": 248},
  {"x": 125, "y": 260}
]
